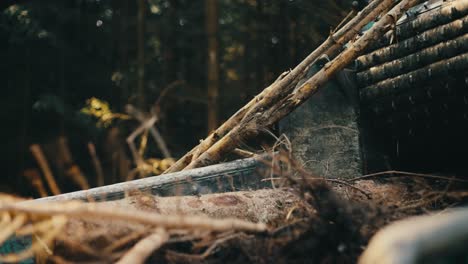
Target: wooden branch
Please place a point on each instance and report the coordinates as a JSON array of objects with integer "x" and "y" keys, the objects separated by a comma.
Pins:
[
  {"x": 34, "y": 177},
  {"x": 443, "y": 50},
  {"x": 70, "y": 168},
  {"x": 99, "y": 211},
  {"x": 265, "y": 117},
  {"x": 416, "y": 43},
  {"x": 406, "y": 81},
  {"x": 145, "y": 247},
  {"x": 450, "y": 10},
  {"x": 417, "y": 238},
  {"x": 41, "y": 160},
  {"x": 288, "y": 82},
  {"x": 97, "y": 164}
]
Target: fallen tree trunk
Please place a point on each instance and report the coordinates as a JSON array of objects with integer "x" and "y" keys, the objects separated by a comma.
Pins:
[
  {"x": 269, "y": 206},
  {"x": 263, "y": 115},
  {"x": 450, "y": 11},
  {"x": 444, "y": 50},
  {"x": 411, "y": 45},
  {"x": 107, "y": 235},
  {"x": 285, "y": 84},
  {"x": 406, "y": 81}
]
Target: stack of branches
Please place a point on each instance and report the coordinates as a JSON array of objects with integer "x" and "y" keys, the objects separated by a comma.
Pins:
[{"x": 287, "y": 93}]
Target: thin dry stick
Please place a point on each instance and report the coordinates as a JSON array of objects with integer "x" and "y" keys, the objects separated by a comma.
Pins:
[
  {"x": 262, "y": 115},
  {"x": 10, "y": 228},
  {"x": 130, "y": 139},
  {"x": 41, "y": 160},
  {"x": 243, "y": 153},
  {"x": 59, "y": 223},
  {"x": 73, "y": 172},
  {"x": 138, "y": 115},
  {"x": 394, "y": 173},
  {"x": 97, "y": 164},
  {"x": 82, "y": 248},
  {"x": 145, "y": 247},
  {"x": 78, "y": 209},
  {"x": 124, "y": 241},
  {"x": 35, "y": 178},
  {"x": 330, "y": 47},
  {"x": 217, "y": 243},
  {"x": 345, "y": 20},
  {"x": 34, "y": 228}
]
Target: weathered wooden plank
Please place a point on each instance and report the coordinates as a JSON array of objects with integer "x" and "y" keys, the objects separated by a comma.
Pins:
[
  {"x": 407, "y": 81},
  {"x": 443, "y": 50},
  {"x": 422, "y": 18},
  {"x": 409, "y": 46}
]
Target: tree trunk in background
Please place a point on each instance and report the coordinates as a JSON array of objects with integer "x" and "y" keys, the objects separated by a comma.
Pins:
[
  {"x": 211, "y": 7},
  {"x": 141, "y": 53}
]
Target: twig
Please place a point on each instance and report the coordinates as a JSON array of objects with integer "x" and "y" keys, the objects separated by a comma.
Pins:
[
  {"x": 145, "y": 247},
  {"x": 41, "y": 160},
  {"x": 243, "y": 153},
  {"x": 78, "y": 209},
  {"x": 328, "y": 180},
  {"x": 124, "y": 241},
  {"x": 35, "y": 178},
  {"x": 140, "y": 116},
  {"x": 345, "y": 20},
  {"x": 8, "y": 230},
  {"x": 350, "y": 186},
  {"x": 97, "y": 164},
  {"x": 217, "y": 243},
  {"x": 164, "y": 92},
  {"x": 393, "y": 173},
  {"x": 72, "y": 170},
  {"x": 59, "y": 223}
]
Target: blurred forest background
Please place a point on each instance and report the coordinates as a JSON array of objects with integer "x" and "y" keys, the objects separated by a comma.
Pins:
[{"x": 207, "y": 58}]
